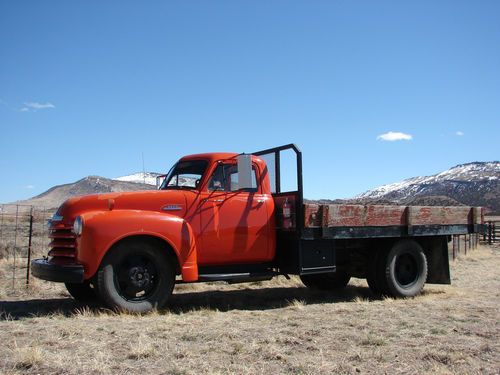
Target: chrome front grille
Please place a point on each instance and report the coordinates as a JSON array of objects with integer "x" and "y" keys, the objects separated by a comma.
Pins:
[{"x": 63, "y": 242}]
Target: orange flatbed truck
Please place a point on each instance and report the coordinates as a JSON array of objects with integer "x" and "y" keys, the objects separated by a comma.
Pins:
[{"x": 225, "y": 216}]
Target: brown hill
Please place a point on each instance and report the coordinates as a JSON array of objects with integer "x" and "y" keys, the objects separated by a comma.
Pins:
[{"x": 56, "y": 195}]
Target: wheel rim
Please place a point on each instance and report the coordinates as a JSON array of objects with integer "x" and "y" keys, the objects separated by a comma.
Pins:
[
  {"x": 406, "y": 271},
  {"x": 136, "y": 277}
]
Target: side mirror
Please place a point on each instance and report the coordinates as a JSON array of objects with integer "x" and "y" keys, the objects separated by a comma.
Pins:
[
  {"x": 159, "y": 180},
  {"x": 244, "y": 171}
]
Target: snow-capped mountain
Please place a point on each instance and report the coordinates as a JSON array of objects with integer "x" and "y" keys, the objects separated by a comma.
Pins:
[
  {"x": 475, "y": 183},
  {"x": 140, "y": 178},
  {"x": 149, "y": 178}
]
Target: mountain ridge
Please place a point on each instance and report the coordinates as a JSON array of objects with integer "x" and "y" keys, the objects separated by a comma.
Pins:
[
  {"x": 56, "y": 195},
  {"x": 472, "y": 184}
]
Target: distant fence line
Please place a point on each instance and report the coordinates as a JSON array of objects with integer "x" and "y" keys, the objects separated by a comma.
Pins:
[{"x": 463, "y": 243}]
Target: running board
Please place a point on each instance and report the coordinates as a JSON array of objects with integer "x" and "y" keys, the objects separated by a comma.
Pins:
[{"x": 233, "y": 278}]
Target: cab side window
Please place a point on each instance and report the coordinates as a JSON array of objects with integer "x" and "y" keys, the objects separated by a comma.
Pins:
[
  {"x": 225, "y": 178},
  {"x": 233, "y": 180}
]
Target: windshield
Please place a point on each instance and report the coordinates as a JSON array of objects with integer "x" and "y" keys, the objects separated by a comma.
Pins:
[{"x": 185, "y": 175}]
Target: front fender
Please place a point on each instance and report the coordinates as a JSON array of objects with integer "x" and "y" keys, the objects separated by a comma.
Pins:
[{"x": 103, "y": 229}]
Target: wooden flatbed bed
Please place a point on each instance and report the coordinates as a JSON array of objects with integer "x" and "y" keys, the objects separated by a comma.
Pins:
[{"x": 338, "y": 221}]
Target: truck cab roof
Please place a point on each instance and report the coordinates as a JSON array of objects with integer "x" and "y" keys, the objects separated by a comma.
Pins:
[{"x": 211, "y": 156}]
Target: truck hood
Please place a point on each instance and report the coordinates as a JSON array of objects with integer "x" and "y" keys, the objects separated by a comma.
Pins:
[{"x": 166, "y": 201}]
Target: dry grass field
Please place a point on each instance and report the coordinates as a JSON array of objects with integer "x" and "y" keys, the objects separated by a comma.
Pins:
[{"x": 272, "y": 327}]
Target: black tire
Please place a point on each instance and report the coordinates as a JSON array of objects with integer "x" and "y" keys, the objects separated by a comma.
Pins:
[
  {"x": 372, "y": 273},
  {"x": 136, "y": 277},
  {"x": 326, "y": 281},
  {"x": 82, "y": 292},
  {"x": 376, "y": 273},
  {"x": 405, "y": 269}
]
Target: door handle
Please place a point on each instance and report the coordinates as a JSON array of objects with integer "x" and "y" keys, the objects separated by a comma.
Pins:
[
  {"x": 215, "y": 200},
  {"x": 261, "y": 200}
]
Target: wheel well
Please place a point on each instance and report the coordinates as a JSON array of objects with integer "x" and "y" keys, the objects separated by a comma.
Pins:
[
  {"x": 357, "y": 255},
  {"x": 157, "y": 242},
  {"x": 435, "y": 249}
]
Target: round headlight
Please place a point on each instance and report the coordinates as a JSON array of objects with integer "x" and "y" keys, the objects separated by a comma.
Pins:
[{"x": 78, "y": 226}]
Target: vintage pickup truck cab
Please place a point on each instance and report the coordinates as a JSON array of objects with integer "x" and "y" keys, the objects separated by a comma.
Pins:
[{"x": 224, "y": 216}]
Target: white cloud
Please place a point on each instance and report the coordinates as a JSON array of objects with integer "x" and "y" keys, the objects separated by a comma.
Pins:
[
  {"x": 395, "y": 136},
  {"x": 34, "y": 106},
  {"x": 29, "y": 187},
  {"x": 459, "y": 133}
]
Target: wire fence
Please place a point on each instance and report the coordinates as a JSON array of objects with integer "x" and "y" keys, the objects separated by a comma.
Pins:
[
  {"x": 462, "y": 243},
  {"x": 492, "y": 233},
  {"x": 23, "y": 233}
]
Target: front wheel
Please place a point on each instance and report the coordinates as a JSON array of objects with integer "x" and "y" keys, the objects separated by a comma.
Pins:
[{"x": 136, "y": 277}]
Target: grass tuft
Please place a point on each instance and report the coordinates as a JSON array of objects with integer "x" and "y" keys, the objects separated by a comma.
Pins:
[
  {"x": 141, "y": 349},
  {"x": 297, "y": 304},
  {"x": 84, "y": 312},
  {"x": 26, "y": 358},
  {"x": 4, "y": 315},
  {"x": 372, "y": 340},
  {"x": 442, "y": 358},
  {"x": 359, "y": 299}
]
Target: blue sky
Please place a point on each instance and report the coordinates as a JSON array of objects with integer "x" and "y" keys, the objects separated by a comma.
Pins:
[{"x": 86, "y": 87}]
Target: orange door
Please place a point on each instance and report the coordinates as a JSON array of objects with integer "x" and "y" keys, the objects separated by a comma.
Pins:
[{"x": 234, "y": 225}]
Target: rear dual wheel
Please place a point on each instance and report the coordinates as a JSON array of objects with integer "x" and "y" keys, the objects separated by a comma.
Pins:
[{"x": 398, "y": 272}]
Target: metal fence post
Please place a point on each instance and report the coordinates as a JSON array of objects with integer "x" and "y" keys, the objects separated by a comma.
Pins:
[
  {"x": 2, "y": 209},
  {"x": 29, "y": 248},
  {"x": 15, "y": 250}
]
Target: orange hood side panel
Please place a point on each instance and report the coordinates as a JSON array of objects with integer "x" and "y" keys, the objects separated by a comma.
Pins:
[{"x": 103, "y": 229}]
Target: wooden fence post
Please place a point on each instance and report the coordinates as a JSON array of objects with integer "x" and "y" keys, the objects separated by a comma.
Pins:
[{"x": 454, "y": 240}]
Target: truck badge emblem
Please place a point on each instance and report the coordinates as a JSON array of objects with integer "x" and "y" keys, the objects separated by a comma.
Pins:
[{"x": 172, "y": 207}]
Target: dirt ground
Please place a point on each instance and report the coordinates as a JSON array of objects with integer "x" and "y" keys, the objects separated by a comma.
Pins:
[{"x": 271, "y": 327}]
